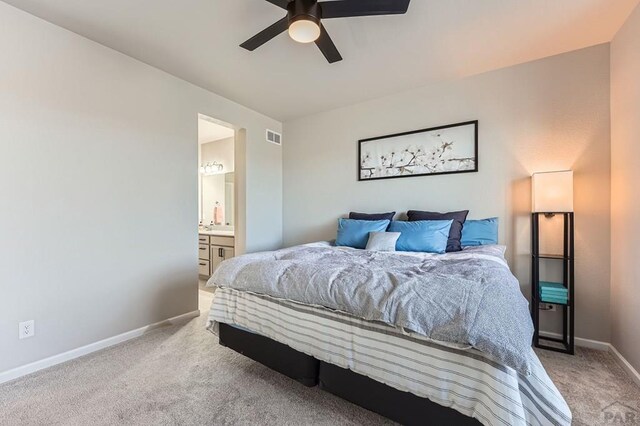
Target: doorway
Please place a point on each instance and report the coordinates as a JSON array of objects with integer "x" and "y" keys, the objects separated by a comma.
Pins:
[{"x": 217, "y": 199}]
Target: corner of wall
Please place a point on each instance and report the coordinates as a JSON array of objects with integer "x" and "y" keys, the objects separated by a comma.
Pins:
[{"x": 625, "y": 132}]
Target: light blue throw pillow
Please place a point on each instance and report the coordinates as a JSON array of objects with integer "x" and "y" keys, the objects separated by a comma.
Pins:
[
  {"x": 355, "y": 233},
  {"x": 479, "y": 232},
  {"x": 429, "y": 236}
]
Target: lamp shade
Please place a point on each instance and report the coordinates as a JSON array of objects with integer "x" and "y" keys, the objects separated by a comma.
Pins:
[{"x": 552, "y": 192}]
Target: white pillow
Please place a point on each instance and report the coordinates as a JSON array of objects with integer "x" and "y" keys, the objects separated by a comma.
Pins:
[{"x": 382, "y": 241}]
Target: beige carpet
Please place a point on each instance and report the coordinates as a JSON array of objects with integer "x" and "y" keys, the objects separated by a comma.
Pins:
[
  {"x": 594, "y": 385},
  {"x": 179, "y": 375}
]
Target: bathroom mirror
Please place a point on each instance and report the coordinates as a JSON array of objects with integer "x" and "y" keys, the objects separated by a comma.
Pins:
[
  {"x": 217, "y": 199},
  {"x": 217, "y": 184}
]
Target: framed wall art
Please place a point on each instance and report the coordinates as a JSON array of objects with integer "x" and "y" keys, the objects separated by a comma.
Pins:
[{"x": 435, "y": 151}]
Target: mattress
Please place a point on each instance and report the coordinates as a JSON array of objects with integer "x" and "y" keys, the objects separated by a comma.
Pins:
[{"x": 461, "y": 378}]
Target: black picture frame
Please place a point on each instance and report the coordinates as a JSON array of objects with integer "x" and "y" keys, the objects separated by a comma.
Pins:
[{"x": 474, "y": 169}]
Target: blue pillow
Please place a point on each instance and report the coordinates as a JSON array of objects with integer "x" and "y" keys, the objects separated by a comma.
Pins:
[
  {"x": 480, "y": 232},
  {"x": 355, "y": 233},
  {"x": 428, "y": 236}
]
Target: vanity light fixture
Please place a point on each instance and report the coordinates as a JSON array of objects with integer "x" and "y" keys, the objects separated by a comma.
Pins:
[{"x": 211, "y": 168}]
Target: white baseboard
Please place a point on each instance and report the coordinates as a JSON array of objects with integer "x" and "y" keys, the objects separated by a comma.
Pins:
[
  {"x": 592, "y": 344},
  {"x": 635, "y": 376},
  {"x": 603, "y": 346},
  {"x": 105, "y": 343},
  {"x": 579, "y": 341},
  {"x": 92, "y": 347}
]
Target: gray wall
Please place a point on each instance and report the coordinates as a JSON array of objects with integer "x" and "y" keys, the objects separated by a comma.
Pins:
[
  {"x": 550, "y": 114},
  {"x": 98, "y": 178},
  {"x": 625, "y": 197}
]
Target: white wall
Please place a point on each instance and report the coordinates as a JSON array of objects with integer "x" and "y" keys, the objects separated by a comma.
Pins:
[
  {"x": 98, "y": 179},
  {"x": 551, "y": 114},
  {"x": 625, "y": 197}
]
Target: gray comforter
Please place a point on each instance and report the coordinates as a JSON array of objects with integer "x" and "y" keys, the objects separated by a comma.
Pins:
[{"x": 466, "y": 298}]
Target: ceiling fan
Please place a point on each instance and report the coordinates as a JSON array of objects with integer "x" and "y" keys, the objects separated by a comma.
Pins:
[{"x": 303, "y": 21}]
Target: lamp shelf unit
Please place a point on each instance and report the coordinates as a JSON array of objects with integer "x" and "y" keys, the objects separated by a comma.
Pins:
[
  {"x": 552, "y": 256},
  {"x": 546, "y": 302},
  {"x": 566, "y": 343}
]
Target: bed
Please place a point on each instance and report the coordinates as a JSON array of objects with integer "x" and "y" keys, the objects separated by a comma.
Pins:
[{"x": 413, "y": 329}]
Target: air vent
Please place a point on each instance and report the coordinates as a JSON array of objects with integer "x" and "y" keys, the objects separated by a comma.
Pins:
[{"x": 273, "y": 137}]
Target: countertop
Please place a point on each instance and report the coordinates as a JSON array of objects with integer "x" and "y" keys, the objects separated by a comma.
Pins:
[{"x": 217, "y": 233}]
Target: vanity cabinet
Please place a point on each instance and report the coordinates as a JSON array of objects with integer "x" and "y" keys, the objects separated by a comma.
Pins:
[
  {"x": 213, "y": 249},
  {"x": 204, "y": 251},
  {"x": 218, "y": 254},
  {"x": 203, "y": 267}
]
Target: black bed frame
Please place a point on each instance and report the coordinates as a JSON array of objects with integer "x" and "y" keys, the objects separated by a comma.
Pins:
[{"x": 402, "y": 407}]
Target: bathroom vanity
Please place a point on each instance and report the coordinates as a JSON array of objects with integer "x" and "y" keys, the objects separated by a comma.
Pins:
[{"x": 213, "y": 248}]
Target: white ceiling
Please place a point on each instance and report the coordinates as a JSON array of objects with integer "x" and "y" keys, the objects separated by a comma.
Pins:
[
  {"x": 197, "y": 40},
  {"x": 209, "y": 131}
]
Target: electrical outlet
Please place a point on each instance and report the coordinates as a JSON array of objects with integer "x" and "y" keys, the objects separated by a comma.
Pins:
[
  {"x": 26, "y": 329},
  {"x": 547, "y": 307}
]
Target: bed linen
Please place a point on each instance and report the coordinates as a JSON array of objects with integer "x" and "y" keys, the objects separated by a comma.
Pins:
[
  {"x": 468, "y": 298},
  {"x": 464, "y": 379}
]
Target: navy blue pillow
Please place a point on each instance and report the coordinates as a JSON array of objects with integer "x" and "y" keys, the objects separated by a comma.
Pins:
[
  {"x": 455, "y": 233},
  {"x": 373, "y": 216}
]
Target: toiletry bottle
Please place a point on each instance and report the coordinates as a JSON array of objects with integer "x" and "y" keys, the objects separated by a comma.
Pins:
[{"x": 217, "y": 214}]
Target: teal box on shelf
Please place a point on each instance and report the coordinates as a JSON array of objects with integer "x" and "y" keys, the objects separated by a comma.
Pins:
[{"x": 551, "y": 292}]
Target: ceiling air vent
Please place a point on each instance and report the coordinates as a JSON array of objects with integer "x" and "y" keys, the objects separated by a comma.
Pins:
[{"x": 273, "y": 137}]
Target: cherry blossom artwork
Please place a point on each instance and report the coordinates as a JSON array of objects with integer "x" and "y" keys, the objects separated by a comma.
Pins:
[{"x": 435, "y": 151}]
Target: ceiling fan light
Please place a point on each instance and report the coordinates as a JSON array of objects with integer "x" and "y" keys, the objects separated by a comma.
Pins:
[{"x": 304, "y": 31}]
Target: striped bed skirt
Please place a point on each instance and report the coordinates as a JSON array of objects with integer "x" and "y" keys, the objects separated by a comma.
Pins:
[{"x": 461, "y": 378}]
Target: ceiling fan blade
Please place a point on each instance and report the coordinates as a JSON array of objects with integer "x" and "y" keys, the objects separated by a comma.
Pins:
[
  {"x": 280, "y": 3},
  {"x": 326, "y": 46},
  {"x": 267, "y": 34},
  {"x": 347, "y": 8}
]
